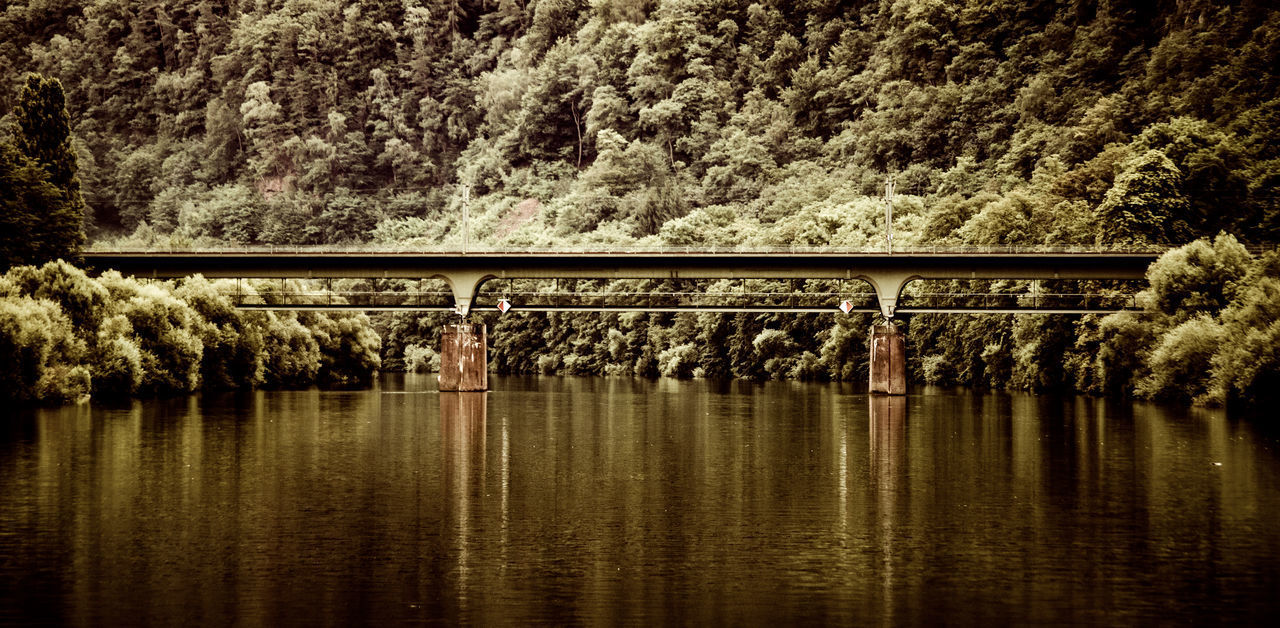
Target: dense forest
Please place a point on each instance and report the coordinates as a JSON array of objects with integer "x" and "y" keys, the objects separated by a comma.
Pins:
[{"x": 709, "y": 122}]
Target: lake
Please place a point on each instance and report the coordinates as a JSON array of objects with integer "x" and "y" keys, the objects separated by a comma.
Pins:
[{"x": 640, "y": 502}]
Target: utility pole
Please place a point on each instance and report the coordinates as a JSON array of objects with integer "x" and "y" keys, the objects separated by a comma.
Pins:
[
  {"x": 466, "y": 205},
  {"x": 888, "y": 213}
]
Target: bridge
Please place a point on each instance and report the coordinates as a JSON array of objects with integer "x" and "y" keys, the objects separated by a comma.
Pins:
[{"x": 466, "y": 272}]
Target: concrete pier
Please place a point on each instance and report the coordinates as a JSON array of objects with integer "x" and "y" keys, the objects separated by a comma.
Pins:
[
  {"x": 464, "y": 358},
  {"x": 888, "y": 360}
]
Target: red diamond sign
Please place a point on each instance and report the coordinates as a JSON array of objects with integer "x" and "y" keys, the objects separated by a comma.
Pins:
[
  {"x": 504, "y": 305},
  {"x": 846, "y": 307}
]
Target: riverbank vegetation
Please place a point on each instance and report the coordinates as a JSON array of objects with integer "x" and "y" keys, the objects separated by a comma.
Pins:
[
  {"x": 67, "y": 336},
  {"x": 674, "y": 123}
]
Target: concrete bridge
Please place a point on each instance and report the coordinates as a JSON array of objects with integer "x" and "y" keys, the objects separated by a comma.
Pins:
[{"x": 467, "y": 271}]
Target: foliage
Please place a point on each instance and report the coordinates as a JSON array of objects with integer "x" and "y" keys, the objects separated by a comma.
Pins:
[
  {"x": 1202, "y": 276},
  {"x": 1208, "y": 333},
  {"x": 72, "y": 335},
  {"x": 42, "y": 134},
  {"x": 660, "y": 123},
  {"x": 1179, "y": 363},
  {"x": 291, "y": 354},
  {"x": 26, "y": 196},
  {"x": 421, "y": 359},
  {"x": 167, "y": 332},
  {"x": 233, "y": 346},
  {"x": 349, "y": 349},
  {"x": 45, "y": 357}
]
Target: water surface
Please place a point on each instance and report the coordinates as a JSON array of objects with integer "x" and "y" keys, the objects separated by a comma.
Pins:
[{"x": 620, "y": 501}]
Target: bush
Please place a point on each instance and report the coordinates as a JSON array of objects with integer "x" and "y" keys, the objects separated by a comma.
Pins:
[
  {"x": 81, "y": 298},
  {"x": 1179, "y": 364},
  {"x": 777, "y": 352},
  {"x": 421, "y": 359},
  {"x": 1121, "y": 357},
  {"x": 679, "y": 361},
  {"x": 117, "y": 361},
  {"x": 1246, "y": 367},
  {"x": 291, "y": 355},
  {"x": 43, "y": 355},
  {"x": 1200, "y": 277},
  {"x": 938, "y": 371},
  {"x": 168, "y": 335},
  {"x": 349, "y": 349},
  {"x": 69, "y": 334},
  {"x": 232, "y": 356}
]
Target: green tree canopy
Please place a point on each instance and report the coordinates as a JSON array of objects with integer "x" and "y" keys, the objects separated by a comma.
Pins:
[{"x": 42, "y": 214}]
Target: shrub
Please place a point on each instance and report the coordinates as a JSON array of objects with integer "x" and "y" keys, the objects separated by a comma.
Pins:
[
  {"x": 42, "y": 354},
  {"x": 349, "y": 349},
  {"x": 1200, "y": 277},
  {"x": 167, "y": 331},
  {"x": 81, "y": 298},
  {"x": 1246, "y": 367},
  {"x": 679, "y": 361},
  {"x": 421, "y": 359},
  {"x": 117, "y": 361},
  {"x": 776, "y": 351},
  {"x": 232, "y": 355},
  {"x": 1179, "y": 364},
  {"x": 291, "y": 355}
]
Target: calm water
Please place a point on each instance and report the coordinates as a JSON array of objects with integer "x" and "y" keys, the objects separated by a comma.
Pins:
[{"x": 617, "y": 501}]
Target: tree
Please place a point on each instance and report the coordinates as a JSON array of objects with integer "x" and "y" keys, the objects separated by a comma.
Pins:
[
  {"x": 43, "y": 135},
  {"x": 1201, "y": 277},
  {"x": 25, "y": 196},
  {"x": 1146, "y": 205}
]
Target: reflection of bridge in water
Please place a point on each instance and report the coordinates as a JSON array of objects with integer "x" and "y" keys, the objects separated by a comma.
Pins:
[{"x": 680, "y": 280}]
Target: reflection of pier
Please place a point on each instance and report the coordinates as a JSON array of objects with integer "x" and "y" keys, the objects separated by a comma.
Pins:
[
  {"x": 462, "y": 427},
  {"x": 463, "y": 416},
  {"x": 887, "y": 436}
]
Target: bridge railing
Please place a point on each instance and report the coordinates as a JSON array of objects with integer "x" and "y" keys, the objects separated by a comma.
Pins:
[
  {"x": 351, "y": 249},
  {"x": 1018, "y": 301}
]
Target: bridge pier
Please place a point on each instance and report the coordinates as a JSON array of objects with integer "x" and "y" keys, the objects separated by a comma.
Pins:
[
  {"x": 464, "y": 358},
  {"x": 888, "y": 349}
]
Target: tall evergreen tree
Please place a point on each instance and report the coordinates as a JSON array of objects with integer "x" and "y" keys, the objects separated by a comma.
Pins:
[
  {"x": 25, "y": 196},
  {"x": 43, "y": 135}
]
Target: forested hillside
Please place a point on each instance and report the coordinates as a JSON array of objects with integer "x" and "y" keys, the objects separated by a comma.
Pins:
[{"x": 676, "y": 122}]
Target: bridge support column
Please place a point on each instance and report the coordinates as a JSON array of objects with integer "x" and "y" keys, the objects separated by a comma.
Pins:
[
  {"x": 888, "y": 360},
  {"x": 464, "y": 358}
]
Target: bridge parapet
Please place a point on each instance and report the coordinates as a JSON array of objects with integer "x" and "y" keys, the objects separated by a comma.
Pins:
[{"x": 480, "y": 251}]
